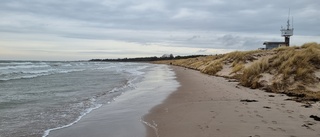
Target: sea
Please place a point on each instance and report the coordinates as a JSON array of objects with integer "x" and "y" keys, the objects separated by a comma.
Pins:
[{"x": 37, "y": 97}]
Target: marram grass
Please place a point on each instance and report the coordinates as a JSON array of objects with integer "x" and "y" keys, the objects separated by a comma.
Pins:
[{"x": 293, "y": 68}]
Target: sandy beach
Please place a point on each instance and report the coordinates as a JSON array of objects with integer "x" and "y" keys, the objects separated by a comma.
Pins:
[
  {"x": 122, "y": 116},
  {"x": 206, "y": 106},
  {"x": 202, "y": 106}
]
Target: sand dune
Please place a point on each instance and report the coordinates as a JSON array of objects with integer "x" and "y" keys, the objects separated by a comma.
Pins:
[
  {"x": 206, "y": 106},
  {"x": 294, "y": 71}
]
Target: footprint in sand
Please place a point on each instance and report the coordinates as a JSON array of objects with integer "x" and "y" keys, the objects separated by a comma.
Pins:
[
  {"x": 255, "y": 111},
  {"x": 242, "y": 121},
  {"x": 310, "y": 123},
  {"x": 241, "y": 115},
  {"x": 302, "y": 116},
  {"x": 271, "y": 128},
  {"x": 259, "y": 116},
  {"x": 308, "y": 127},
  {"x": 290, "y": 111},
  {"x": 291, "y": 117},
  {"x": 266, "y": 107},
  {"x": 281, "y": 129},
  {"x": 274, "y": 122},
  {"x": 271, "y": 96},
  {"x": 256, "y": 127},
  {"x": 263, "y": 121}
]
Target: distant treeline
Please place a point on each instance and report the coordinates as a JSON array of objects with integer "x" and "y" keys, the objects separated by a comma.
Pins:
[{"x": 147, "y": 59}]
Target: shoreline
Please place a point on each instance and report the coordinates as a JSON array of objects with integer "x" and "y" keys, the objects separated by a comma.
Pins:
[
  {"x": 206, "y": 105},
  {"x": 123, "y": 116}
]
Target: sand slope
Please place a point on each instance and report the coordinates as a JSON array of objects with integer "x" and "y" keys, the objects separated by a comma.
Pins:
[
  {"x": 288, "y": 70},
  {"x": 207, "y": 106}
]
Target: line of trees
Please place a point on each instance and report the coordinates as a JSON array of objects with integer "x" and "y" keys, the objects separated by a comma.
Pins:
[{"x": 147, "y": 59}]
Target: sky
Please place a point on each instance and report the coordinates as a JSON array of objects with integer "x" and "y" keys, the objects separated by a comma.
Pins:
[{"x": 87, "y": 29}]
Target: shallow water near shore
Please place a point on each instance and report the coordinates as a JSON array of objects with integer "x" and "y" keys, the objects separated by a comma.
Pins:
[
  {"x": 38, "y": 96},
  {"x": 123, "y": 116}
]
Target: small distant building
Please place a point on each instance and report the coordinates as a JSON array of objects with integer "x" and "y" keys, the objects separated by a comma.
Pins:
[
  {"x": 272, "y": 45},
  {"x": 286, "y": 33}
]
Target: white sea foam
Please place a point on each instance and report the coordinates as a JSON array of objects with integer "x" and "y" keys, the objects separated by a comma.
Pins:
[
  {"x": 151, "y": 125},
  {"x": 33, "y": 74},
  {"x": 119, "y": 89},
  {"x": 87, "y": 111},
  {"x": 24, "y": 67},
  {"x": 138, "y": 102},
  {"x": 15, "y": 63},
  {"x": 27, "y": 70},
  {"x": 130, "y": 84},
  {"x": 47, "y": 132},
  {"x": 137, "y": 70},
  {"x": 67, "y": 65},
  {"x": 37, "y": 71},
  {"x": 78, "y": 95},
  {"x": 71, "y": 70}
]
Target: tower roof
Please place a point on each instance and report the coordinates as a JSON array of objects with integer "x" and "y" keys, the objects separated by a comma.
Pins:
[{"x": 287, "y": 32}]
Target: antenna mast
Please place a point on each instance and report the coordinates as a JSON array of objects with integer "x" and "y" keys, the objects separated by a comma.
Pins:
[
  {"x": 286, "y": 33},
  {"x": 288, "y": 22}
]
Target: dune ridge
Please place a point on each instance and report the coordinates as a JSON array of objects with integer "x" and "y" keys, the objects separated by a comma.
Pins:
[{"x": 294, "y": 71}]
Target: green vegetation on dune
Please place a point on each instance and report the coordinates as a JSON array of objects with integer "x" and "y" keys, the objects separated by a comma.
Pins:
[{"x": 289, "y": 70}]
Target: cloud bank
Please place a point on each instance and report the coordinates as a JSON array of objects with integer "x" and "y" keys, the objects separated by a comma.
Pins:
[{"x": 220, "y": 25}]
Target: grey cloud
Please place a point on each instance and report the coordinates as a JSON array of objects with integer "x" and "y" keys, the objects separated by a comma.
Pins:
[
  {"x": 202, "y": 50},
  {"x": 229, "y": 40},
  {"x": 140, "y": 14},
  {"x": 152, "y": 21},
  {"x": 193, "y": 37}
]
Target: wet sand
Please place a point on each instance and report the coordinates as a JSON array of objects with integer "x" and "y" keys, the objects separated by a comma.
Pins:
[
  {"x": 206, "y": 106},
  {"x": 122, "y": 117}
]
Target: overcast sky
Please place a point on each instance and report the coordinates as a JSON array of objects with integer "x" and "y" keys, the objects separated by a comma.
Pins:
[{"x": 85, "y": 29}]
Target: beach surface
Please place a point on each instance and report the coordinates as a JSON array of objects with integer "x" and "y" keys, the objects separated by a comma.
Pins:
[
  {"x": 206, "y": 106},
  {"x": 122, "y": 116}
]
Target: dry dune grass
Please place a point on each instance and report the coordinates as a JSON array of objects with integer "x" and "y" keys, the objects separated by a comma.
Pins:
[
  {"x": 293, "y": 68},
  {"x": 213, "y": 67},
  {"x": 251, "y": 75},
  {"x": 237, "y": 60},
  {"x": 237, "y": 67}
]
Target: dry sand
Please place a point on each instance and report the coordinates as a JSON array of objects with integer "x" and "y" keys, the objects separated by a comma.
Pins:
[{"x": 208, "y": 106}]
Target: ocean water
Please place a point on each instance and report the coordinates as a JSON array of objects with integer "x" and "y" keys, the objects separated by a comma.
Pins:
[{"x": 38, "y": 96}]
